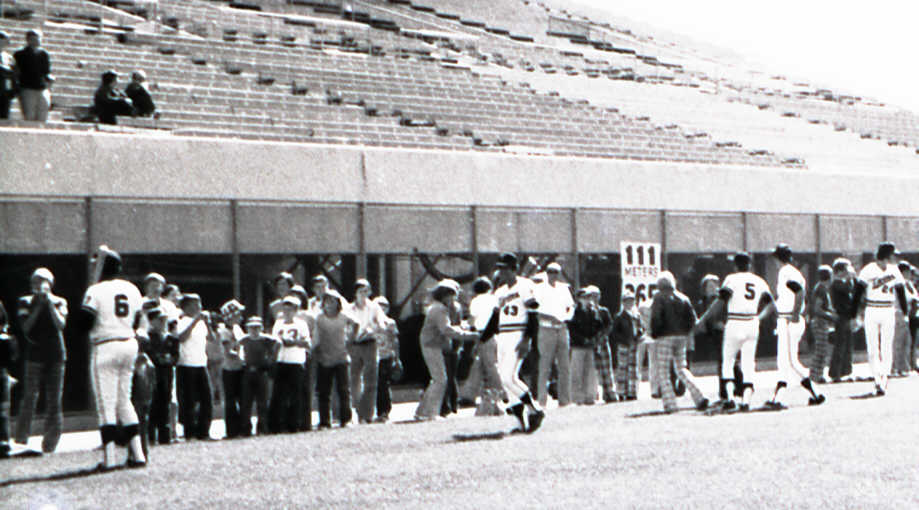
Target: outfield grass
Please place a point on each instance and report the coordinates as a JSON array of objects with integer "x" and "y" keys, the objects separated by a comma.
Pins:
[{"x": 845, "y": 454}]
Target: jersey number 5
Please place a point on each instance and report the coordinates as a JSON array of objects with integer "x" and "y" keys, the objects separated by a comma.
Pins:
[
  {"x": 751, "y": 292},
  {"x": 121, "y": 305}
]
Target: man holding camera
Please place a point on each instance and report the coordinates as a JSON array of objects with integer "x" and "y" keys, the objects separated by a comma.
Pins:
[{"x": 42, "y": 316}]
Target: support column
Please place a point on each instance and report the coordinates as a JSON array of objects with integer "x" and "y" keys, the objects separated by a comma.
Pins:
[
  {"x": 234, "y": 232},
  {"x": 664, "y": 253},
  {"x": 575, "y": 252},
  {"x": 818, "y": 249},
  {"x": 361, "y": 262},
  {"x": 474, "y": 236},
  {"x": 745, "y": 242}
]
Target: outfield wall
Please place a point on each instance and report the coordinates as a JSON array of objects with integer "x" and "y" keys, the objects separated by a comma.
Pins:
[{"x": 62, "y": 192}]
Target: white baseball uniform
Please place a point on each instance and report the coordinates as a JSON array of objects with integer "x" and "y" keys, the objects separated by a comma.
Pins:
[
  {"x": 512, "y": 321},
  {"x": 115, "y": 303},
  {"x": 880, "y": 317},
  {"x": 789, "y": 333},
  {"x": 741, "y": 330}
]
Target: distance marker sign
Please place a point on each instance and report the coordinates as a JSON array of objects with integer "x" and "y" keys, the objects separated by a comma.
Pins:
[{"x": 641, "y": 265}]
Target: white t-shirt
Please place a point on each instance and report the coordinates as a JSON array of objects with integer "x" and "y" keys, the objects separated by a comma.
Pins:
[
  {"x": 296, "y": 330},
  {"x": 881, "y": 283},
  {"x": 193, "y": 352},
  {"x": 480, "y": 309},
  {"x": 555, "y": 300},
  {"x": 785, "y": 297},
  {"x": 747, "y": 289},
  {"x": 512, "y": 300},
  {"x": 115, "y": 304}
]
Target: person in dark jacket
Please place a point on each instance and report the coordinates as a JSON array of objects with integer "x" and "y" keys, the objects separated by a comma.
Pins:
[
  {"x": 34, "y": 78},
  {"x": 139, "y": 95},
  {"x": 627, "y": 333},
  {"x": 842, "y": 296},
  {"x": 672, "y": 321},
  {"x": 163, "y": 350},
  {"x": 583, "y": 330},
  {"x": 109, "y": 102}
]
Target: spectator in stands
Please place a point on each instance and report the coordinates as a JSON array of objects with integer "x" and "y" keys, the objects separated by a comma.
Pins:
[
  {"x": 230, "y": 333},
  {"x": 42, "y": 317},
  {"x": 603, "y": 358},
  {"x": 109, "y": 102},
  {"x": 260, "y": 352},
  {"x": 163, "y": 350},
  {"x": 33, "y": 73},
  {"x": 8, "y": 83},
  {"x": 842, "y": 296},
  {"x": 390, "y": 363},
  {"x": 192, "y": 384},
  {"x": 583, "y": 329},
  {"x": 363, "y": 350},
  {"x": 139, "y": 95},
  {"x": 330, "y": 335},
  {"x": 627, "y": 333},
  {"x": 285, "y": 413},
  {"x": 437, "y": 334},
  {"x": 8, "y": 354},
  {"x": 556, "y": 307}
]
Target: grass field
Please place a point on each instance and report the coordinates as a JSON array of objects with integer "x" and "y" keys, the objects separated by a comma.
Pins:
[{"x": 848, "y": 453}]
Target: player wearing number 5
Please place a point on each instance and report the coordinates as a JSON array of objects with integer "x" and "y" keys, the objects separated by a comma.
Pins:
[
  {"x": 110, "y": 314},
  {"x": 878, "y": 283},
  {"x": 748, "y": 302}
]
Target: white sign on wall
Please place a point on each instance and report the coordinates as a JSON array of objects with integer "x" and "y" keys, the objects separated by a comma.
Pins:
[{"x": 641, "y": 265}]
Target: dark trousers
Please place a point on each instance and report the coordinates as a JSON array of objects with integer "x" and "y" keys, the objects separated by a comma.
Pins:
[
  {"x": 51, "y": 377},
  {"x": 285, "y": 414},
  {"x": 4, "y": 413},
  {"x": 384, "y": 387},
  {"x": 5, "y": 101},
  {"x": 342, "y": 378},
  {"x": 309, "y": 389},
  {"x": 255, "y": 390},
  {"x": 233, "y": 401},
  {"x": 195, "y": 406},
  {"x": 843, "y": 342},
  {"x": 160, "y": 428},
  {"x": 451, "y": 394}
]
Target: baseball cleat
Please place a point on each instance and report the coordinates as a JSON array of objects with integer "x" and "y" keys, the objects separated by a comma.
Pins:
[
  {"x": 879, "y": 391},
  {"x": 816, "y": 401},
  {"x": 727, "y": 405},
  {"x": 744, "y": 408},
  {"x": 775, "y": 406},
  {"x": 702, "y": 405},
  {"x": 535, "y": 420},
  {"x": 517, "y": 411}
]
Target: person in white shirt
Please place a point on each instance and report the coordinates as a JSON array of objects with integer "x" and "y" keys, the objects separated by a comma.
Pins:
[
  {"x": 192, "y": 384},
  {"x": 229, "y": 333},
  {"x": 285, "y": 413},
  {"x": 154, "y": 284},
  {"x": 556, "y": 307},
  {"x": 110, "y": 314},
  {"x": 880, "y": 283},
  {"x": 370, "y": 321},
  {"x": 789, "y": 304}
]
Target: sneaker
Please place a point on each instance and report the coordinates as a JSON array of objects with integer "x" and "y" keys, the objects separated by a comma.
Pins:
[
  {"x": 535, "y": 420},
  {"x": 772, "y": 405},
  {"x": 727, "y": 405},
  {"x": 702, "y": 405},
  {"x": 134, "y": 464},
  {"x": 816, "y": 401},
  {"x": 381, "y": 419},
  {"x": 744, "y": 408}
]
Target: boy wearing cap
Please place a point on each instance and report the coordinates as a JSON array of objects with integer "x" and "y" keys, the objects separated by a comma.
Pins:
[
  {"x": 229, "y": 332},
  {"x": 260, "y": 353},
  {"x": 390, "y": 363},
  {"x": 627, "y": 333},
  {"x": 286, "y": 408},
  {"x": 192, "y": 384},
  {"x": 163, "y": 350},
  {"x": 33, "y": 72},
  {"x": 42, "y": 317},
  {"x": 584, "y": 328},
  {"x": 822, "y": 319},
  {"x": 363, "y": 350},
  {"x": 7, "y": 77}
]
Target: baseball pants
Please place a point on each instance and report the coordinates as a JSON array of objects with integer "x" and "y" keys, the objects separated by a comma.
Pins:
[
  {"x": 35, "y": 104},
  {"x": 113, "y": 373},
  {"x": 823, "y": 349},
  {"x": 553, "y": 347},
  {"x": 627, "y": 370},
  {"x": 671, "y": 351},
  {"x": 364, "y": 365},
  {"x": 508, "y": 364},
  {"x": 583, "y": 375},
  {"x": 879, "y": 330},
  {"x": 603, "y": 362},
  {"x": 51, "y": 377},
  {"x": 789, "y": 337},
  {"x": 433, "y": 397},
  {"x": 740, "y": 336},
  {"x": 902, "y": 344}
]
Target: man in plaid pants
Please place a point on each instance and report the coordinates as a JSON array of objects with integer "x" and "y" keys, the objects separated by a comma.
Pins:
[
  {"x": 603, "y": 359},
  {"x": 627, "y": 332},
  {"x": 822, "y": 322},
  {"x": 672, "y": 320}
]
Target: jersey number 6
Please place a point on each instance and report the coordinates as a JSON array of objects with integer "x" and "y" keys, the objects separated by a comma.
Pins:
[{"x": 121, "y": 305}]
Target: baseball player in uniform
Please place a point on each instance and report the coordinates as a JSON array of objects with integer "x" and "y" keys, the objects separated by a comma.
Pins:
[
  {"x": 789, "y": 304},
  {"x": 515, "y": 317},
  {"x": 879, "y": 282},
  {"x": 745, "y": 294},
  {"x": 110, "y": 313}
]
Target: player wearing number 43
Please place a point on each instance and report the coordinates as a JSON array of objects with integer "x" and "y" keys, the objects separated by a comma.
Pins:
[
  {"x": 789, "y": 304},
  {"x": 878, "y": 282},
  {"x": 286, "y": 409},
  {"x": 110, "y": 314}
]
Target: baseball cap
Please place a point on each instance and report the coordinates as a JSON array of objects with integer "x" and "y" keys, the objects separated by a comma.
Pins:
[
  {"x": 319, "y": 278},
  {"x": 232, "y": 306},
  {"x": 109, "y": 73},
  {"x": 155, "y": 313},
  {"x": 448, "y": 284},
  {"x": 507, "y": 260},
  {"x": 554, "y": 267},
  {"x": 481, "y": 285},
  {"x": 284, "y": 275},
  {"x": 186, "y": 298},
  {"x": 291, "y": 300},
  {"x": 628, "y": 295},
  {"x": 824, "y": 272},
  {"x": 742, "y": 256},
  {"x": 782, "y": 252},
  {"x": 255, "y": 320},
  {"x": 592, "y": 290},
  {"x": 44, "y": 273},
  {"x": 886, "y": 249},
  {"x": 155, "y": 276},
  {"x": 361, "y": 283},
  {"x": 33, "y": 31},
  {"x": 583, "y": 291}
]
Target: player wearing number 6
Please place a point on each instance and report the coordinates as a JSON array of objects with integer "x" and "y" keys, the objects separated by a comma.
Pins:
[
  {"x": 748, "y": 302},
  {"x": 878, "y": 283},
  {"x": 110, "y": 314}
]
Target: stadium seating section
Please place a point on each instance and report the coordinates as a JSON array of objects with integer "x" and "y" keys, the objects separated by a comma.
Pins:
[{"x": 395, "y": 73}]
